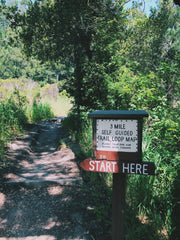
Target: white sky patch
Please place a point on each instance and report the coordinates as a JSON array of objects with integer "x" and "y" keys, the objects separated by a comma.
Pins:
[{"x": 146, "y": 5}]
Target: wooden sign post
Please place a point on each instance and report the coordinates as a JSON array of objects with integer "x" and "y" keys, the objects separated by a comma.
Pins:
[{"x": 117, "y": 149}]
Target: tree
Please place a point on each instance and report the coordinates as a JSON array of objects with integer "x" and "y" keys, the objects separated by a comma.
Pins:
[
  {"x": 13, "y": 62},
  {"x": 152, "y": 46},
  {"x": 70, "y": 31}
]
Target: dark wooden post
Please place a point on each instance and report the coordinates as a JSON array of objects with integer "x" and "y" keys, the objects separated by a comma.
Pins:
[{"x": 118, "y": 206}]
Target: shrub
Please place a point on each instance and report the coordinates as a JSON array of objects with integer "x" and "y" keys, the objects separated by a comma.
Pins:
[
  {"x": 40, "y": 111},
  {"x": 151, "y": 200},
  {"x": 12, "y": 118}
]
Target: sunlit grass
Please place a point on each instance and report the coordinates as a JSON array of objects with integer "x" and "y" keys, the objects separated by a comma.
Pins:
[
  {"x": 60, "y": 105},
  {"x": 39, "y": 111}
]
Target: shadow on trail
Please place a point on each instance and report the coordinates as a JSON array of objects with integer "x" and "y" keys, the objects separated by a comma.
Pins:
[
  {"x": 50, "y": 212},
  {"x": 39, "y": 195},
  {"x": 36, "y": 157}
]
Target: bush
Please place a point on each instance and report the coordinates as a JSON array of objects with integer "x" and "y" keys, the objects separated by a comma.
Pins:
[
  {"x": 12, "y": 118},
  {"x": 40, "y": 111},
  {"x": 151, "y": 200}
]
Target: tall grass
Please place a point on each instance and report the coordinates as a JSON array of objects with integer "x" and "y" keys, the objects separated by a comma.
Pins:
[
  {"x": 15, "y": 113},
  {"x": 39, "y": 111},
  {"x": 147, "y": 209},
  {"x": 151, "y": 201},
  {"x": 16, "y": 110},
  {"x": 12, "y": 119},
  {"x": 60, "y": 105}
]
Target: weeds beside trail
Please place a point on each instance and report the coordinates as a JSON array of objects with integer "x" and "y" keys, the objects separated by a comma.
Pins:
[
  {"x": 14, "y": 118},
  {"x": 151, "y": 202}
]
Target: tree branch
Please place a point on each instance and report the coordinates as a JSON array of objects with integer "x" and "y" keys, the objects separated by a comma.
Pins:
[{"x": 125, "y": 3}]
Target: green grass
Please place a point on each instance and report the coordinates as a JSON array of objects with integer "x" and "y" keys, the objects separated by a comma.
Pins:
[
  {"x": 60, "y": 105},
  {"x": 16, "y": 111},
  {"x": 39, "y": 111},
  {"x": 12, "y": 119},
  {"x": 151, "y": 201}
]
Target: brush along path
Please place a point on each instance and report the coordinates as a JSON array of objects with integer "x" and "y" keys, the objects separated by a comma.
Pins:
[{"x": 40, "y": 195}]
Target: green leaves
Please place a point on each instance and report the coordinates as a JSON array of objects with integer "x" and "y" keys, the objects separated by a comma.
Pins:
[{"x": 12, "y": 119}]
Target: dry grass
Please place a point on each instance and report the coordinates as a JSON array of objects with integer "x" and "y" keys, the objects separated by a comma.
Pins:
[{"x": 60, "y": 105}]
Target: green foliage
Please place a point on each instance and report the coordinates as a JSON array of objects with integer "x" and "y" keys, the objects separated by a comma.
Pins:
[
  {"x": 14, "y": 64},
  {"x": 12, "y": 118},
  {"x": 117, "y": 61},
  {"x": 165, "y": 129},
  {"x": 39, "y": 111},
  {"x": 151, "y": 200},
  {"x": 155, "y": 194},
  {"x": 15, "y": 113},
  {"x": 25, "y": 86},
  {"x": 99, "y": 199},
  {"x": 142, "y": 74},
  {"x": 78, "y": 41},
  {"x": 78, "y": 127}
]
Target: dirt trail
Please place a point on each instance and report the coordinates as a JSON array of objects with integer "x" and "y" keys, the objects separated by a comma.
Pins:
[{"x": 40, "y": 195}]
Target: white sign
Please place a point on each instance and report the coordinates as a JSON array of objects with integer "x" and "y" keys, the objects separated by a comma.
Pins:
[{"x": 117, "y": 135}]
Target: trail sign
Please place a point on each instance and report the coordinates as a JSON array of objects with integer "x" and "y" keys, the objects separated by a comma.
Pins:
[
  {"x": 144, "y": 168},
  {"x": 117, "y": 135},
  {"x": 117, "y": 149}
]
